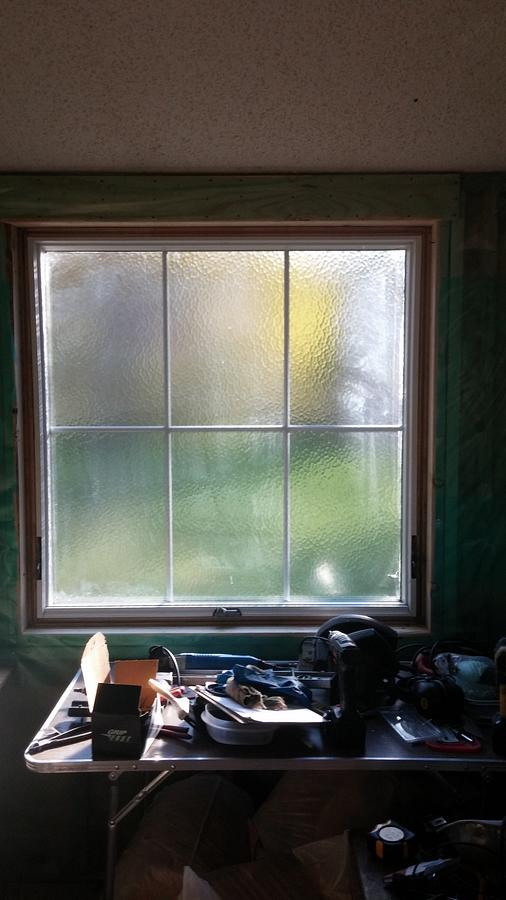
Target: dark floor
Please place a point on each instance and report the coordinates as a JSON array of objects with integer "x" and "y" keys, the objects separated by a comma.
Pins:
[{"x": 51, "y": 892}]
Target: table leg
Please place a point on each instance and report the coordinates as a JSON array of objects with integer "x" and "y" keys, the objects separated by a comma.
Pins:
[
  {"x": 115, "y": 817},
  {"x": 111, "y": 834}
]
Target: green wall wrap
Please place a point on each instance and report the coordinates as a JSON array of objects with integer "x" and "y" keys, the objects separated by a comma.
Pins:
[
  {"x": 8, "y": 484},
  {"x": 470, "y": 471},
  {"x": 54, "y": 841}
]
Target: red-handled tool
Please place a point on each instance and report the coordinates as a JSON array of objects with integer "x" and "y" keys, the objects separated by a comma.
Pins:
[
  {"x": 174, "y": 731},
  {"x": 456, "y": 742}
]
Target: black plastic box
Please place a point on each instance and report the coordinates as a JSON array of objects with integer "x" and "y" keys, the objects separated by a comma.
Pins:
[{"x": 118, "y": 729}]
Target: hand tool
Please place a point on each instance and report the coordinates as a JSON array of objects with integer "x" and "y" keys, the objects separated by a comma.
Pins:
[
  {"x": 174, "y": 731},
  {"x": 165, "y": 691},
  {"x": 343, "y": 724},
  {"x": 60, "y": 739},
  {"x": 455, "y": 742}
]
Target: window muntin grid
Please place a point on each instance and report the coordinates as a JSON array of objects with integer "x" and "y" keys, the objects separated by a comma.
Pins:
[{"x": 287, "y": 431}]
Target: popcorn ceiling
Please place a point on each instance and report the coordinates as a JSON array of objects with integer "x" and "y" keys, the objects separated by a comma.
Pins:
[{"x": 253, "y": 85}]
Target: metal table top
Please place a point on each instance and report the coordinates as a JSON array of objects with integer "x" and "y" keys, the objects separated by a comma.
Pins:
[{"x": 293, "y": 748}]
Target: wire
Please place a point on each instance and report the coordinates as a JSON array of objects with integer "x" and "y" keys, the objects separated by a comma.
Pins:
[
  {"x": 450, "y": 645},
  {"x": 408, "y": 646},
  {"x": 159, "y": 652},
  {"x": 314, "y": 639},
  {"x": 175, "y": 664}
]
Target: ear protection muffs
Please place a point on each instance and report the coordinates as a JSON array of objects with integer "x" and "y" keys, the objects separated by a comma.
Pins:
[
  {"x": 351, "y": 622},
  {"x": 434, "y": 697}
]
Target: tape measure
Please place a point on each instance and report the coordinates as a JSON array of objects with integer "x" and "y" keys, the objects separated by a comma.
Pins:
[{"x": 391, "y": 842}]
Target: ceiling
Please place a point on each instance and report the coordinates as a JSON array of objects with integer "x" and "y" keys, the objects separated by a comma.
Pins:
[{"x": 253, "y": 85}]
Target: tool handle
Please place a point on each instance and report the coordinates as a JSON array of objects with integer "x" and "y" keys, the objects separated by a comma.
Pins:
[
  {"x": 54, "y": 743},
  {"x": 347, "y": 657},
  {"x": 164, "y": 690},
  {"x": 345, "y": 646},
  {"x": 457, "y": 747}
]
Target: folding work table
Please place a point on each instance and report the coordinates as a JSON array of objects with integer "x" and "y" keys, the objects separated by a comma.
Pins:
[{"x": 293, "y": 748}]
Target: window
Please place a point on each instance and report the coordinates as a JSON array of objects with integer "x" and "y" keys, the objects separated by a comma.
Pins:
[{"x": 227, "y": 424}]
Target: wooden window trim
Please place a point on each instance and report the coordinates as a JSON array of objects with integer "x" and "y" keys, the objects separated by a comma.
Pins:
[{"x": 20, "y": 236}]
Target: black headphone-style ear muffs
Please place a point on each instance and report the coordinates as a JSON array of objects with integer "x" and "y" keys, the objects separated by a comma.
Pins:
[{"x": 351, "y": 622}]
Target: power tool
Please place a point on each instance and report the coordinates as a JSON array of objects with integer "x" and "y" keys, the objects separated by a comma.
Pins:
[
  {"x": 377, "y": 643},
  {"x": 343, "y": 724}
]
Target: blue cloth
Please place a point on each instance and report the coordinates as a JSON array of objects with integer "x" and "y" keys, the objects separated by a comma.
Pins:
[{"x": 269, "y": 683}]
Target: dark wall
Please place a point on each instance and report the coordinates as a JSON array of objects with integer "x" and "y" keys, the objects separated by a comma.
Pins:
[
  {"x": 470, "y": 464},
  {"x": 470, "y": 534},
  {"x": 468, "y": 591}
]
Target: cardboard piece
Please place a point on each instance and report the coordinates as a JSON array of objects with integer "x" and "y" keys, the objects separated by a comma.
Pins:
[
  {"x": 125, "y": 712},
  {"x": 137, "y": 671},
  {"x": 95, "y": 666}
]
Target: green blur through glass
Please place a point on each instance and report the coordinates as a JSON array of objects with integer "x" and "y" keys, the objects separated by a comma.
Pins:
[{"x": 223, "y": 424}]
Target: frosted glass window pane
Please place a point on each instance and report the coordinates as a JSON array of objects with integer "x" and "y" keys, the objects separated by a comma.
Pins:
[
  {"x": 103, "y": 329},
  {"x": 108, "y": 518},
  {"x": 227, "y": 515},
  {"x": 347, "y": 336},
  {"x": 226, "y": 349},
  {"x": 345, "y": 515}
]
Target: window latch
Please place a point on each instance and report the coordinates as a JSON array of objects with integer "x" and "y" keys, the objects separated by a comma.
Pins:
[
  {"x": 38, "y": 559},
  {"x": 414, "y": 556},
  {"x": 227, "y": 612}
]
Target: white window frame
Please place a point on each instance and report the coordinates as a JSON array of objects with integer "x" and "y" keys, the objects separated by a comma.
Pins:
[{"x": 295, "y": 612}]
